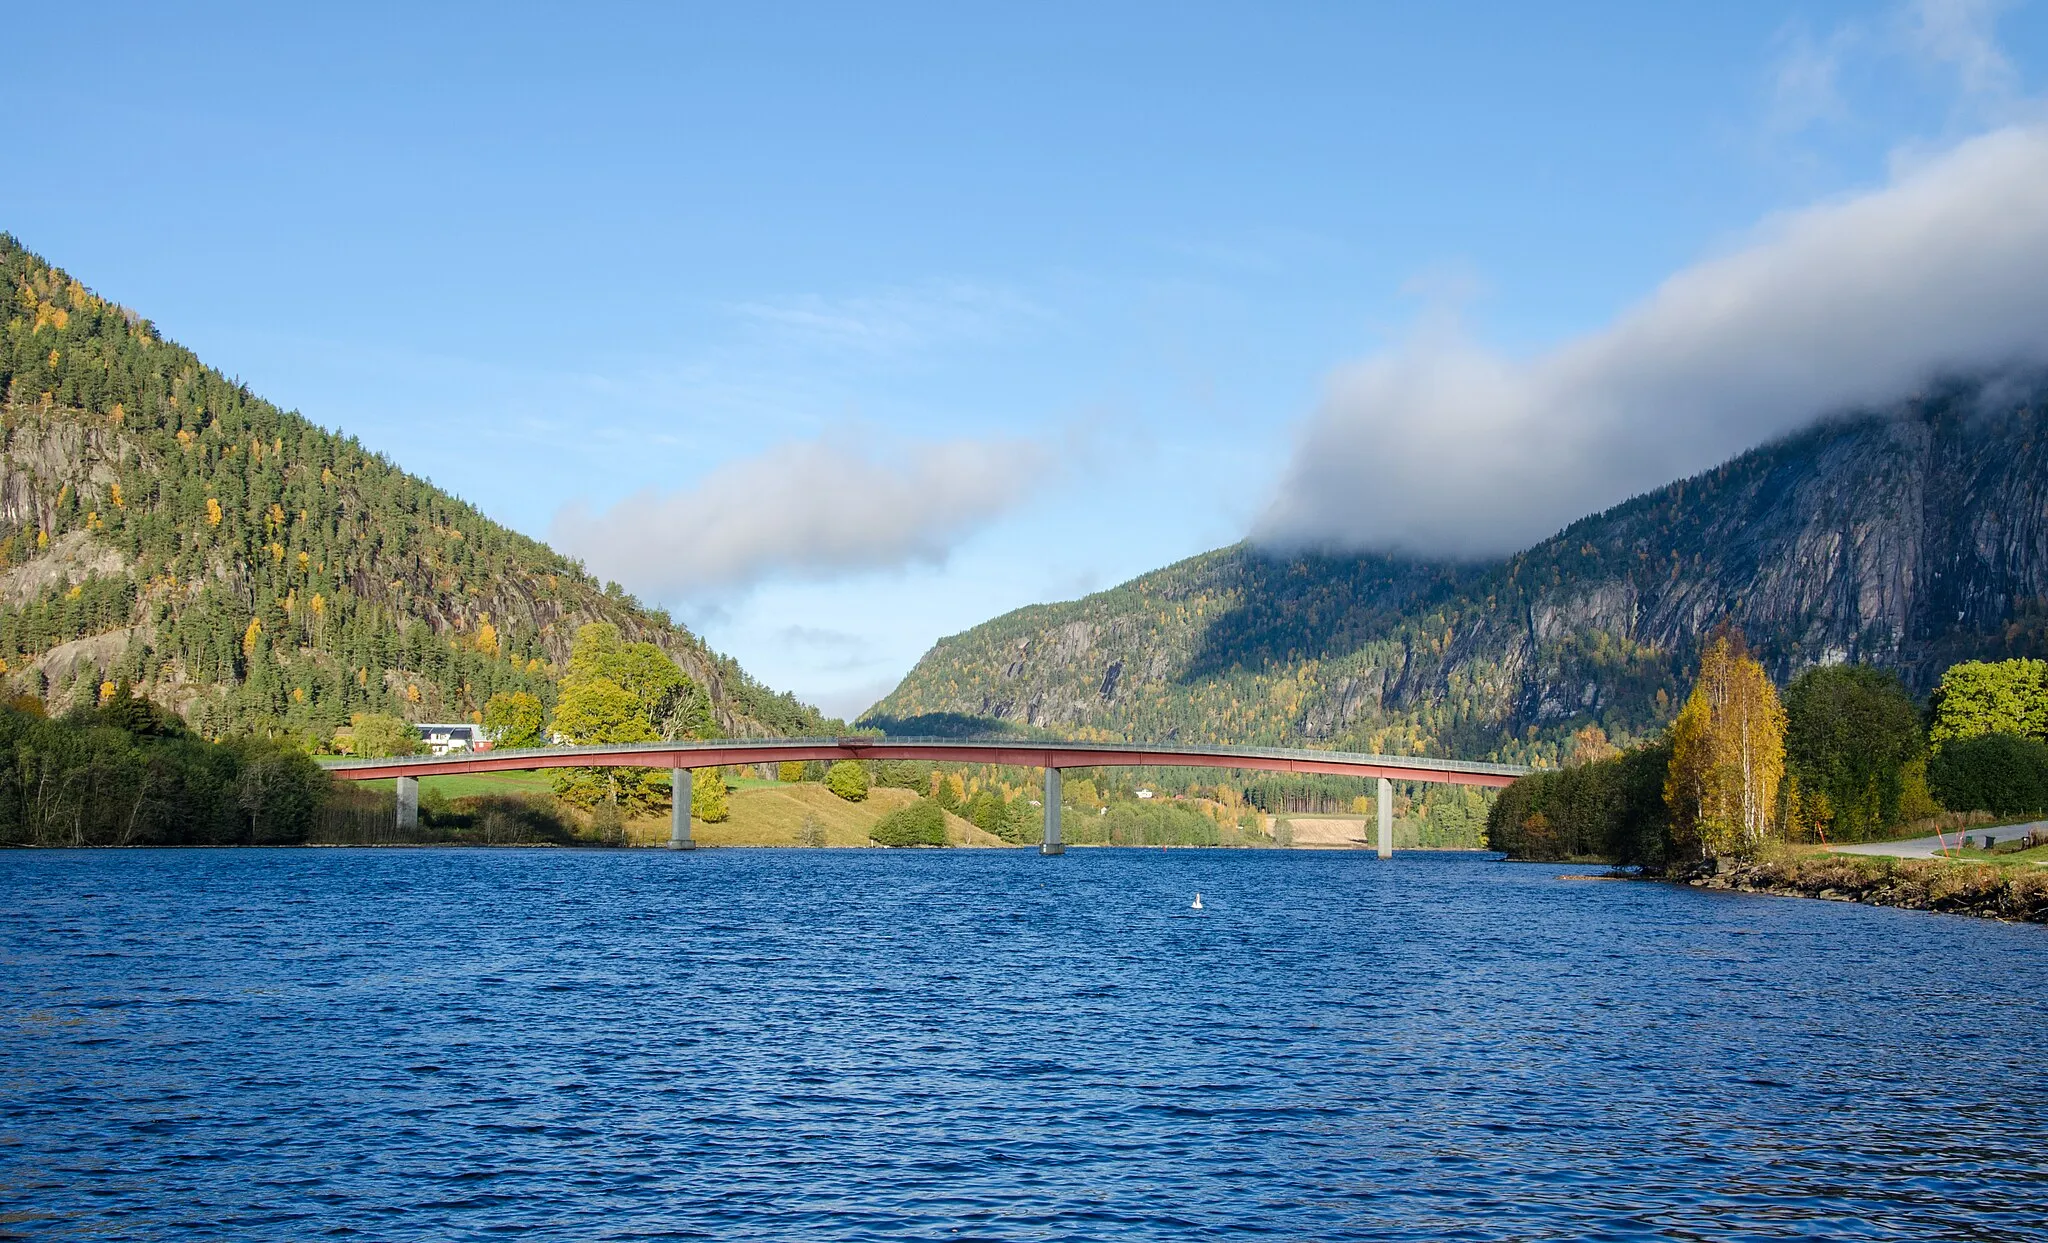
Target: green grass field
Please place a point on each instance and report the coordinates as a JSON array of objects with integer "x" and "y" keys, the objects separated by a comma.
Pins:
[{"x": 2038, "y": 854}]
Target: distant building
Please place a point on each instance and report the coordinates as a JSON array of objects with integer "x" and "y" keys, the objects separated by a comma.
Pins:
[
  {"x": 1144, "y": 794},
  {"x": 456, "y": 736}
]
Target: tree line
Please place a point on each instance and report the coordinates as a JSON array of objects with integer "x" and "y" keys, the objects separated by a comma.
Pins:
[
  {"x": 1844, "y": 754},
  {"x": 125, "y": 772}
]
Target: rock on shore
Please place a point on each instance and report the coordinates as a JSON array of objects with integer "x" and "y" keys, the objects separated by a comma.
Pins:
[{"x": 1983, "y": 890}]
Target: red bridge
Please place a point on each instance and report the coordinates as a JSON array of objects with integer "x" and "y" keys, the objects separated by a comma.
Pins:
[{"x": 681, "y": 757}]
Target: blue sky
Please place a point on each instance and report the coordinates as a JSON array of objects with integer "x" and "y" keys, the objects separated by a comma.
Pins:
[{"x": 880, "y": 320}]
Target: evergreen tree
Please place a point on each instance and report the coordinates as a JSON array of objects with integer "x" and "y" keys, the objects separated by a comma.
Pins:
[{"x": 275, "y": 578}]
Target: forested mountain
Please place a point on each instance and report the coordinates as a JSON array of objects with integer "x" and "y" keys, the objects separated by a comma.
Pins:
[
  {"x": 162, "y": 525},
  {"x": 1909, "y": 538}
]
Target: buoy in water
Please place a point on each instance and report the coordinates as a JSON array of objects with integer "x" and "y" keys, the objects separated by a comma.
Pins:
[{"x": 1196, "y": 905}]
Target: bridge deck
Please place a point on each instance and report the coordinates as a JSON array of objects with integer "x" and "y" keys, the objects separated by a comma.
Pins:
[{"x": 1021, "y": 754}]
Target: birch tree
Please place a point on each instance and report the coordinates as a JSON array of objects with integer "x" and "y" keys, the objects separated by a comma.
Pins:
[{"x": 1727, "y": 756}]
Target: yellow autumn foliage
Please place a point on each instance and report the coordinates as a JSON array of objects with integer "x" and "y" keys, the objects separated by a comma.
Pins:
[{"x": 1727, "y": 756}]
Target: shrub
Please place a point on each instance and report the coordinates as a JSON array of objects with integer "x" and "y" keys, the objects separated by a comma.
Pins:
[
  {"x": 607, "y": 825},
  {"x": 2000, "y": 773},
  {"x": 923, "y": 823},
  {"x": 790, "y": 771},
  {"x": 811, "y": 832},
  {"x": 1010, "y": 819},
  {"x": 498, "y": 819},
  {"x": 707, "y": 795},
  {"x": 848, "y": 780}
]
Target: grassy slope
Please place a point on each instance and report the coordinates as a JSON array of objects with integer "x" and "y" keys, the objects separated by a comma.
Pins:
[
  {"x": 764, "y": 813},
  {"x": 772, "y": 815}
]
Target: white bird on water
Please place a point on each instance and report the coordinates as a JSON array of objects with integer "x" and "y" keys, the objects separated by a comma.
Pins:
[{"x": 1196, "y": 905}]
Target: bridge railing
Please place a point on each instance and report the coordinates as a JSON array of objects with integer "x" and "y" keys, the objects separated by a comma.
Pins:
[
  {"x": 1050, "y": 754},
  {"x": 1142, "y": 754}
]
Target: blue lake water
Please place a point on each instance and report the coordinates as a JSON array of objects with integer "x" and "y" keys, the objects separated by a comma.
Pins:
[{"x": 745, "y": 1044}]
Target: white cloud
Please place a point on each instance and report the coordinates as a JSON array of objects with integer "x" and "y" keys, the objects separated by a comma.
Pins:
[
  {"x": 1947, "y": 47},
  {"x": 1446, "y": 448},
  {"x": 1806, "y": 84},
  {"x": 1961, "y": 35},
  {"x": 808, "y": 509}
]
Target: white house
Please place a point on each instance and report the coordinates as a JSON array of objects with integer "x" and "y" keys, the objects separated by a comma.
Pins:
[{"x": 454, "y": 736}]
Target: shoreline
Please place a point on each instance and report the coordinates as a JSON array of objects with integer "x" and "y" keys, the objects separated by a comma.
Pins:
[{"x": 1943, "y": 886}]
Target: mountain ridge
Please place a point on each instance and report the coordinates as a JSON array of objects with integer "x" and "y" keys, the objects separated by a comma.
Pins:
[
  {"x": 161, "y": 524},
  {"x": 1908, "y": 537}
]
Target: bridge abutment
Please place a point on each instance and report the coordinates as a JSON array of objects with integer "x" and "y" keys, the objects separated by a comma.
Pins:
[
  {"x": 1052, "y": 844},
  {"x": 679, "y": 809}
]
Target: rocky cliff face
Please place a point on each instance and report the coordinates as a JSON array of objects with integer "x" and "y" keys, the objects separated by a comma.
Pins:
[{"x": 1909, "y": 538}]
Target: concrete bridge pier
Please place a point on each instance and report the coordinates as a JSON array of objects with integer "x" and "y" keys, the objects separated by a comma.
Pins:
[
  {"x": 1384, "y": 804},
  {"x": 408, "y": 804},
  {"x": 1052, "y": 844},
  {"x": 679, "y": 810}
]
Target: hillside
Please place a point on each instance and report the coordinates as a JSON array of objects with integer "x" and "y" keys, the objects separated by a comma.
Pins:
[
  {"x": 774, "y": 815},
  {"x": 1910, "y": 538},
  {"x": 161, "y": 524}
]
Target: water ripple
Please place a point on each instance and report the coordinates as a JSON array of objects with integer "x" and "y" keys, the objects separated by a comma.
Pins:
[{"x": 889, "y": 1045}]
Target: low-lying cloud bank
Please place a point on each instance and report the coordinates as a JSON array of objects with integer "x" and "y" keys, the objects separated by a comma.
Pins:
[
  {"x": 812, "y": 509},
  {"x": 1444, "y": 448}
]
